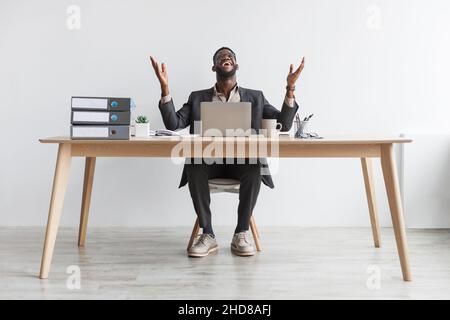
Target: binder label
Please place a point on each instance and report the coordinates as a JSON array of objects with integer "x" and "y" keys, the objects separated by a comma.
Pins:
[
  {"x": 88, "y": 132},
  {"x": 89, "y": 103},
  {"x": 91, "y": 116}
]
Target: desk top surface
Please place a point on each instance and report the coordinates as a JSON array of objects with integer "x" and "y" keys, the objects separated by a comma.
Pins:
[{"x": 283, "y": 139}]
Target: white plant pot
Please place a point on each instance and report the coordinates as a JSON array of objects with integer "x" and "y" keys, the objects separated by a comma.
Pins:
[{"x": 142, "y": 129}]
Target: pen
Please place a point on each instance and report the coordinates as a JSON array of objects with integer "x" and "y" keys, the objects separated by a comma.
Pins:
[{"x": 310, "y": 116}]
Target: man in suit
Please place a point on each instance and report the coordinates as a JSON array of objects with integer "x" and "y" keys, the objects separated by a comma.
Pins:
[{"x": 197, "y": 173}]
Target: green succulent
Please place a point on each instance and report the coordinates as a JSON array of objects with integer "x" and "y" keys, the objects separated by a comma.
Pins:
[{"x": 141, "y": 119}]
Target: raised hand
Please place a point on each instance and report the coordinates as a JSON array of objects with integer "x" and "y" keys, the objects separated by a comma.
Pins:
[
  {"x": 163, "y": 78},
  {"x": 293, "y": 75}
]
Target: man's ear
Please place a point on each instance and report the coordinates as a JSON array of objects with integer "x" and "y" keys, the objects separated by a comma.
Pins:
[
  {"x": 237, "y": 66},
  {"x": 213, "y": 68}
]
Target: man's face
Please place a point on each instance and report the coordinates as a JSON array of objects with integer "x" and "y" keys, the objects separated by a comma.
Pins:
[{"x": 225, "y": 64}]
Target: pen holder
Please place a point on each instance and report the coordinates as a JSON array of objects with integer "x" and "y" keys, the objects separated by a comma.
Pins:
[{"x": 300, "y": 128}]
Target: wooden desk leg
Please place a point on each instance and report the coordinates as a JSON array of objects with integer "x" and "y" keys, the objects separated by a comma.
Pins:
[
  {"x": 395, "y": 205},
  {"x": 86, "y": 200},
  {"x": 366, "y": 164},
  {"x": 60, "y": 181}
]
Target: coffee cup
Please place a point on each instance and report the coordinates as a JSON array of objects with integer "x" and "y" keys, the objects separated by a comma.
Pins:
[{"x": 270, "y": 127}]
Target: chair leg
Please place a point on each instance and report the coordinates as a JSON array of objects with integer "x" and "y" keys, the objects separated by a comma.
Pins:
[
  {"x": 255, "y": 233},
  {"x": 193, "y": 234},
  {"x": 254, "y": 224}
]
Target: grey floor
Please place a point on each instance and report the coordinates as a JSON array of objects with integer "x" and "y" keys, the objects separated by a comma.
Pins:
[{"x": 296, "y": 263}]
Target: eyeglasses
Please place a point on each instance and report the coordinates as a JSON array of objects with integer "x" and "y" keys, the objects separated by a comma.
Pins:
[{"x": 222, "y": 56}]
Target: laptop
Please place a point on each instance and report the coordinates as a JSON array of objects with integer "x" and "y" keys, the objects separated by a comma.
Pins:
[{"x": 225, "y": 119}]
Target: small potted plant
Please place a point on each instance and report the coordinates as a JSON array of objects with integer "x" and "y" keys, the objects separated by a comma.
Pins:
[{"x": 142, "y": 127}]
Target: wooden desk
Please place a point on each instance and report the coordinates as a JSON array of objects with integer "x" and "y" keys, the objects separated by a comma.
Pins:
[{"x": 285, "y": 147}]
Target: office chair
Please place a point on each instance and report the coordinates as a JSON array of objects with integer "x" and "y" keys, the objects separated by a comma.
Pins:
[{"x": 231, "y": 186}]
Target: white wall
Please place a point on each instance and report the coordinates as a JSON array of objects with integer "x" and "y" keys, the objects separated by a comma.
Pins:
[
  {"x": 371, "y": 67},
  {"x": 427, "y": 181}
]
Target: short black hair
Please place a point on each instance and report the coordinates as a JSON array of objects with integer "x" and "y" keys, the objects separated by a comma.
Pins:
[{"x": 215, "y": 53}]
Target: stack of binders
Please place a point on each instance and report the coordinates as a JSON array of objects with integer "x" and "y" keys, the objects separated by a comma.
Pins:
[{"x": 101, "y": 118}]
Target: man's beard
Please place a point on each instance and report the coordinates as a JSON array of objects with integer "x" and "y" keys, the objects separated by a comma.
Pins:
[{"x": 225, "y": 75}]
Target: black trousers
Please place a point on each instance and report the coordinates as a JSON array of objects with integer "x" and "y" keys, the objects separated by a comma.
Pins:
[{"x": 249, "y": 175}]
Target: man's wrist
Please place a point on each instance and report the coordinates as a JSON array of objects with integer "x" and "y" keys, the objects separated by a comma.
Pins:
[
  {"x": 290, "y": 90},
  {"x": 164, "y": 91}
]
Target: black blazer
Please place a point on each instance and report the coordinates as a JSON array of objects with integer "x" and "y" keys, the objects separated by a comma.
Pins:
[{"x": 261, "y": 109}]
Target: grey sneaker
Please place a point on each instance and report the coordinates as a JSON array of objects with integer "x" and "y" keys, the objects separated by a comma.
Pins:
[
  {"x": 241, "y": 245},
  {"x": 204, "y": 245}
]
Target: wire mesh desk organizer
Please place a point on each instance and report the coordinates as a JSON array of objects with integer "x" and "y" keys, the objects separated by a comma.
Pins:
[{"x": 300, "y": 125}]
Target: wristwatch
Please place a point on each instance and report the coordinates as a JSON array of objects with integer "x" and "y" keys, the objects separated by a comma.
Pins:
[{"x": 289, "y": 88}]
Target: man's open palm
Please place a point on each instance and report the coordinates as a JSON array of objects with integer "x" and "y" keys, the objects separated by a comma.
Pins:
[
  {"x": 161, "y": 73},
  {"x": 293, "y": 75}
]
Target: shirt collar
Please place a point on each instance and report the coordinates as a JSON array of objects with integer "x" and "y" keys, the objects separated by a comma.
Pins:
[{"x": 235, "y": 88}]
